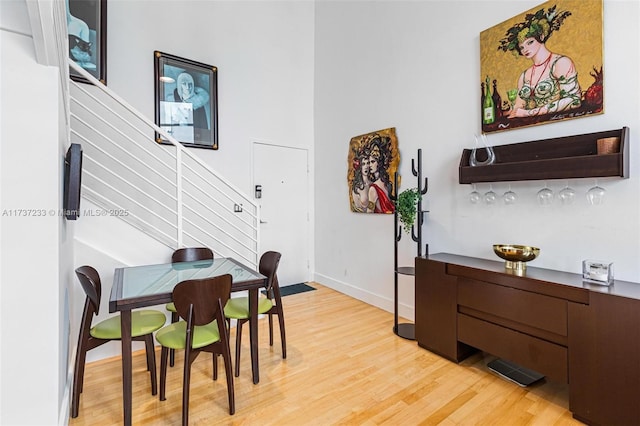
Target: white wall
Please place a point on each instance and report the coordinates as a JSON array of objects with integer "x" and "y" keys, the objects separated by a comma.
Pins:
[
  {"x": 264, "y": 54},
  {"x": 416, "y": 66},
  {"x": 33, "y": 353}
]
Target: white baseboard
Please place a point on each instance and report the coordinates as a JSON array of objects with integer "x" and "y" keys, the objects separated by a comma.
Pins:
[
  {"x": 65, "y": 404},
  {"x": 383, "y": 302}
]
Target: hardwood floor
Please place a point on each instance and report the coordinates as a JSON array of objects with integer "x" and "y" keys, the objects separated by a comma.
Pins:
[{"x": 344, "y": 366}]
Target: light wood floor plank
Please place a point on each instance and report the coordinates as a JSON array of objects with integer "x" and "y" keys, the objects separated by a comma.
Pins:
[{"x": 344, "y": 366}]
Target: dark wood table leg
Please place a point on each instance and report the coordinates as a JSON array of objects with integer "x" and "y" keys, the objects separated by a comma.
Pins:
[
  {"x": 125, "y": 325},
  {"x": 253, "y": 333}
]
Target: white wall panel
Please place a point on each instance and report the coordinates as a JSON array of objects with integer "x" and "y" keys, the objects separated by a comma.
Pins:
[{"x": 30, "y": 176}]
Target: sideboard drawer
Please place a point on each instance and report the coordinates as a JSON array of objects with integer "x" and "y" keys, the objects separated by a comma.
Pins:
[
  {"x": 524, "y": 307},
  {"x": 530, "y": 352}
]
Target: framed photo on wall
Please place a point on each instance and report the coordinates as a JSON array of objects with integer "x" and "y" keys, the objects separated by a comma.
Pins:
[
  {"x": 542, "y": 66},
  {"x": 87, "y": 30},
  {"x": 186, "y": 101}
]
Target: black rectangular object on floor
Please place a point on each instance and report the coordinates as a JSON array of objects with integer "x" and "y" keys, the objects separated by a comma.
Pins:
[
  {"x": 293, "y": 289},
  {"x": 514, "y": 373}
]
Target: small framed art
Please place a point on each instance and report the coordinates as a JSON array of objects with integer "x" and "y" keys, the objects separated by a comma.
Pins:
[
  {"x": 186, "y": 101},
  {"x": 87, "y": 31}
]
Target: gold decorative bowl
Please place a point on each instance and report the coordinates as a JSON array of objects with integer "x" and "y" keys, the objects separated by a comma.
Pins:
[{"x": 515, "y": 256}]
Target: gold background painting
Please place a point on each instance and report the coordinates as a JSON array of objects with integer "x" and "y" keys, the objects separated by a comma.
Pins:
[
  {"x": 580, "y": 37},
  {"x": 372, "y": 163}
]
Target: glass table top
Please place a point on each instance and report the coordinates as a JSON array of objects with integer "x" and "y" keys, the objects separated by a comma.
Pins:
[{"x": 162, "y": 278}]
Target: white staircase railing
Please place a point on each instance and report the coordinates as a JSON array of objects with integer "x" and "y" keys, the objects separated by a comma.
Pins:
[{"x": 164, "y": 190}]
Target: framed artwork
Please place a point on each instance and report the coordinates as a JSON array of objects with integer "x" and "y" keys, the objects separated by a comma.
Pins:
[
  {"x": 544, "y": 65},
  {"x": 87, "y": 30},
  {"x": 372, "y": 163},
  {"x": 186, "y": 104}
]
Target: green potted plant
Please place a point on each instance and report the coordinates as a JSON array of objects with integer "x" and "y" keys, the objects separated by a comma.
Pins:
[{"x": 407, "y": 206}]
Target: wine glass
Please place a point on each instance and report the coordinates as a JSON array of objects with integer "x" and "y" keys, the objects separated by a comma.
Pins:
[
  {"x": 474, "y": 197},
  {"x": 512, "y": 95},
  {"x": 595, "y": 195},
  {"x": 545, "y": 195},
  {"x": 509, "y": 197},
  {"x": 567, "y": 194},
  {"x": 490, "y": 197}
]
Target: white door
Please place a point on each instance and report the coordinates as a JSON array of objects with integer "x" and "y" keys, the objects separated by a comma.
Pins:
[{"x": 282, "y": 172}]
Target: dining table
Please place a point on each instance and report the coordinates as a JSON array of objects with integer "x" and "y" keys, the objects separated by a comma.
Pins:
[{"x": 150, "y": 285}]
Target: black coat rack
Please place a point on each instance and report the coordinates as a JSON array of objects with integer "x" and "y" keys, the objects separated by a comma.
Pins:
[{"x": 407, "y": 330}]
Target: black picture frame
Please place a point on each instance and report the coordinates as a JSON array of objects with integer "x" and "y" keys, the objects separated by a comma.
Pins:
[
  {"x": 72, "y": 181},
  {"x": 87, "y": 30},
  {"x": 189, "y": 115}
]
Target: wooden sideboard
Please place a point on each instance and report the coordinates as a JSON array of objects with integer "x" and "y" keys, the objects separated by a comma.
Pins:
[{"x": 549, "y": 321}]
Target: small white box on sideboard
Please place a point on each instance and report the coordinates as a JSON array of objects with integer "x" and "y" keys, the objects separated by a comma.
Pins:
[{"x": 597, "y": 272}]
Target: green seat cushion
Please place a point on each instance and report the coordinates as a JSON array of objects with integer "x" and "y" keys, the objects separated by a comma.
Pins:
[
  {"x": 170, "y": 307},
  {"x": 142, "y": 322},
  {"x": 238, "y": 307},
  {"x": 173, "y": 336}
]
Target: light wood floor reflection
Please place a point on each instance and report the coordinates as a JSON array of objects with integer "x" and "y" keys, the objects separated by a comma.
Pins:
[{"x": 344, "y": 366}]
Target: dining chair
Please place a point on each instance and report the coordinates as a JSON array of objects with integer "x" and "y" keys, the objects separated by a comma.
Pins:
[
  {"x": 200, "y": 303},
  {"x": 143, "y": 324},
  {"x": 238, "y": 307},
  {"x": 186, "y": 254}
]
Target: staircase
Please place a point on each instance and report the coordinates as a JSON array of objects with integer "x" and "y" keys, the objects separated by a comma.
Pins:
[{"x": 165, "y": 190}]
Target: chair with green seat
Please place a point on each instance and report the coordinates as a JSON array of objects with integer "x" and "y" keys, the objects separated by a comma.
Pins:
[
  {"x": 238, "y": 307},
  {"x": 200, "y": 303},
  {"x": 187, "y": 254},
  {"x": 143, "y": 324}
]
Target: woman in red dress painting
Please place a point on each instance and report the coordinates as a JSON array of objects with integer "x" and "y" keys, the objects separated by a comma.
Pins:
[{"x": 379, "y": 159}]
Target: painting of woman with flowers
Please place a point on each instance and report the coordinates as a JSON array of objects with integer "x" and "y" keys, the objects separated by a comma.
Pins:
[{"x": 556, "y": 83}]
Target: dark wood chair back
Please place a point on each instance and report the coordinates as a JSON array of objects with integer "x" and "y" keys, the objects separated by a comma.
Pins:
[
  {"x": 268, "y": 267},
  {"x": 90, "y": 282},
  {"x": 200, "y": 296},
  {"x": 190, "y": 254}
]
